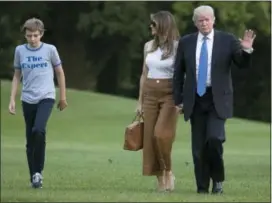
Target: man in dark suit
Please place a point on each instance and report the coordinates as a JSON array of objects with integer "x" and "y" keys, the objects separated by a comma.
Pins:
[{"x": 203, "y": 91}]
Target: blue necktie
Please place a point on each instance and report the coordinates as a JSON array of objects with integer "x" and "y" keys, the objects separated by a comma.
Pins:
[{"x": 202, "y": 69}]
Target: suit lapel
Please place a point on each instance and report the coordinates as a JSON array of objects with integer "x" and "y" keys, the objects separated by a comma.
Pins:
[
  {"x": 215, "y": 49},
  {"x": 194, "y": 43}
]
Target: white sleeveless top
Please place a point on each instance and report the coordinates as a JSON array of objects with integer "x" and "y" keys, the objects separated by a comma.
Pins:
[{"x": 157, "y": 68}]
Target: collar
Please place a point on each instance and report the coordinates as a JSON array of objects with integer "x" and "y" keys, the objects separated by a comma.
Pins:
[{"x": 209, "y": 36}]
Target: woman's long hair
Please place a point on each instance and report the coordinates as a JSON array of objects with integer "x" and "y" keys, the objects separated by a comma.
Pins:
[{"x": 167, "y": 33}]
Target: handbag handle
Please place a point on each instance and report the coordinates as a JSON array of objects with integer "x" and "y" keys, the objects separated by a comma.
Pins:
[{"x": 138, "y": 116}]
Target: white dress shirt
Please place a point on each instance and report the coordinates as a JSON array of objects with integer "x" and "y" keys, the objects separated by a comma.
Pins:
[
  {"x": 200, "y": 38},
  {"x": 210, "y": 39}
]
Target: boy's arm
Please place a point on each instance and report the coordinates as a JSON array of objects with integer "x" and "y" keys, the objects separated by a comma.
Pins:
[
  {"x": 61, "y": 81},
  {"x": 15, "y": 81},
  {"x": 56, "y": 62}
]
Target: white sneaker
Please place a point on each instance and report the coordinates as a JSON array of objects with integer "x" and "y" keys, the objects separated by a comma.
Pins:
[{"x": 37, "y": 180}]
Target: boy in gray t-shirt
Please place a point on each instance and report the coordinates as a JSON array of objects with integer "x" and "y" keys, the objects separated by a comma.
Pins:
[{"x": 36, "y": 63}]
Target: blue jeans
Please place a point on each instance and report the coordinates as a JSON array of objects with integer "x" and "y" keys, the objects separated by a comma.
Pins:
[{"x": 36, "y": 117}]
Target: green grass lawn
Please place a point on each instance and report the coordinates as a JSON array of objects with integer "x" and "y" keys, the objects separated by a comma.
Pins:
[{"x": 82, "y": 139}]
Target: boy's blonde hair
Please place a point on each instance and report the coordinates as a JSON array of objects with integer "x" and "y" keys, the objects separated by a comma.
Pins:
[{"x": 33, "y": 24}]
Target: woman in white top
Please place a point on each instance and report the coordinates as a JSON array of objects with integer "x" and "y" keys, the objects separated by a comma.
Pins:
[{"x": 156, "y": 99}]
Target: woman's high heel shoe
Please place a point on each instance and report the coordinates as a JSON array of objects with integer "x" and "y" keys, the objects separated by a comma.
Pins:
[
  {"x": 162, "y": 182},
  {"x": 170, "y": 182}
]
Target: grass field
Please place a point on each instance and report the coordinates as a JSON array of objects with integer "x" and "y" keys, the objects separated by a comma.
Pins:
[{"x": 85, "y": 161}]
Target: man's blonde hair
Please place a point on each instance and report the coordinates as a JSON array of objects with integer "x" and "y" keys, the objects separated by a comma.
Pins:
[
  {"x": 204, "y": 9},
  {"x": 33, "y": 24}
]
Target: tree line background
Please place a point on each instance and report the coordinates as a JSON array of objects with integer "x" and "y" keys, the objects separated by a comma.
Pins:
[{"x": 101, "y": 43}]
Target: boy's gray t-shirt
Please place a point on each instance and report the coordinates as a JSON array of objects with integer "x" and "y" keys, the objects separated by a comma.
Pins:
[{"x": 37, "y": 68}]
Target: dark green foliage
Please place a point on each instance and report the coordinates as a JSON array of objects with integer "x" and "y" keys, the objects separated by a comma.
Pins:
[{"x": 101, "y": 43}]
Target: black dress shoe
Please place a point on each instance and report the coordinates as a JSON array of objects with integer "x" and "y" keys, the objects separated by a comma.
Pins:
[{"x": 217, "y": 188}]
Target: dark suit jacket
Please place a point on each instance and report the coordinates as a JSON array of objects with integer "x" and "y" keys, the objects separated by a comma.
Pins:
[{"x": 226, "y": 49}]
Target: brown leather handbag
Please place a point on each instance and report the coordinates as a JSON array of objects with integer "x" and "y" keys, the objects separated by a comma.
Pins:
[{"x": 134, "y": 134}]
